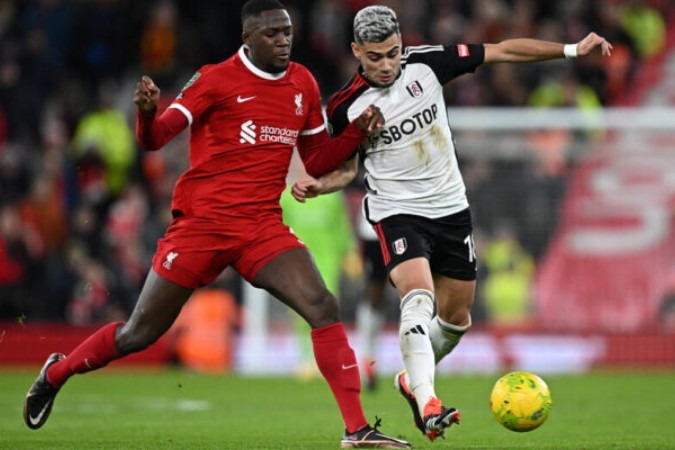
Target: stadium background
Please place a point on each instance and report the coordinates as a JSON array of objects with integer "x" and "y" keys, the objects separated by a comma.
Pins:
[{"x": 574, "y": 222}]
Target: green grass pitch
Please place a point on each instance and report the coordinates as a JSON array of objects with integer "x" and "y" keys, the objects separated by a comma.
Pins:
[{"x": 174, "y": 409}]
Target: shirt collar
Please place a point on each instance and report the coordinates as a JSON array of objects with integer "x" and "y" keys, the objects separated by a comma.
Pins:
[{"x": 243, "y": 55}]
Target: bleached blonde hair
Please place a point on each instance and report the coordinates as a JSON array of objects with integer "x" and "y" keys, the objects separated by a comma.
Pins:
[{"x": 375, "y": 24}]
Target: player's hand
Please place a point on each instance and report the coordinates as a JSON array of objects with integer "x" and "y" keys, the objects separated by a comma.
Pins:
[
  {"x": 590, "y": 42},
  {"x": 371, "y": 119},
  {"x": 306, "y": 188},
  {"x": 146, "y": 95}
]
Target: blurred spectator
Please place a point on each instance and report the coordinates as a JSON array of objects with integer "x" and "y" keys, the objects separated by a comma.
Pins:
[
  {"x": 202, "y": 337},
  {"x": 15, "y": 175},
  {"x": 19, "y": 248},
  {"x": 106, "y": 39},
  {"x": 565, "y": 91},
  {"x": 167, "y": 44},
  {"x": 48, "y": 28},
  {"x": 621, "y": 67},
  {"x": 44, "y": 212},
  {"x": 158, "y": 42},
  {"x": 508, "y": 280},
  {"x": 104, "y": 147},
  {"x": 646, "y": 25},
  {"x": 129, "y": 255},
  {"x": 18, "y": 97},
  {"x": 90, "y": 301}
]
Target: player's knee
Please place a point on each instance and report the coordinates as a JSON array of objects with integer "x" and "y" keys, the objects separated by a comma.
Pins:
[
  {"x": 458, "y": 317},
  {"x": 131, "y": 339},
  {"x": 418, "y": 304},
  {"x": 323, "y": 310}
]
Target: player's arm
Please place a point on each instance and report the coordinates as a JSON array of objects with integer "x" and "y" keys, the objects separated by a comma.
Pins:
[
  {"x": 153, "y": 132},
  {"x": 330, "y": 182},
  {"x": 322, "y": 154},
  {"x": 527, "y": 50}
]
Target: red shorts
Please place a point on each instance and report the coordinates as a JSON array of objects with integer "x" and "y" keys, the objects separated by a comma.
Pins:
[{"x": 193, "y": 252}]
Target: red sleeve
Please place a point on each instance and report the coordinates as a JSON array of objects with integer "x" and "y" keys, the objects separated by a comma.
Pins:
[
  {"x": 322, "y": 154},
  {"x": 153, "y": 132}
]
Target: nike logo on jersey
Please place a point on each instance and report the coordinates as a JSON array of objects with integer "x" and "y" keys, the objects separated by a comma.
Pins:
[
  {"x": 36, "y": 420},
  {"x": 349, "y": 367},
  {"x": 241, "y": 99}
]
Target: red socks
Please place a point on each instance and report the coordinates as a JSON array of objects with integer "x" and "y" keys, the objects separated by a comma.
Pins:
[
  {"x": 95, "y": 352},
  {"x": 337, "y": 363}
]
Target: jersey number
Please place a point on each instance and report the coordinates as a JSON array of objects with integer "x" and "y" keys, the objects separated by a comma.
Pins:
[{"x": 472, "y": 248}]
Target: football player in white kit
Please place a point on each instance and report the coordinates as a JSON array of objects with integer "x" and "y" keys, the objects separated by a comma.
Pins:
[{"x": 415, "y": 197}]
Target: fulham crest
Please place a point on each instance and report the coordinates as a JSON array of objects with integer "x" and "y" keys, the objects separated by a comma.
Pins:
[
  {"x": 415, "y": 89},
  {"x": 400, "y": 246}
]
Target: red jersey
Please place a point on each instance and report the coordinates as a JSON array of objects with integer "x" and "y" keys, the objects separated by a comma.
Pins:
[{"x": 244, "y": 124}]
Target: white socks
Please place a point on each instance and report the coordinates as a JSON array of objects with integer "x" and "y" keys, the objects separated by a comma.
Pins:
[
  {"x": 445, "y": 337},
  {"x": 417, "y": 309}
]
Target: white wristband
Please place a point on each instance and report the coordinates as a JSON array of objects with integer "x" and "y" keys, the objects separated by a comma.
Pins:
[{"x": 570, "y": 51}]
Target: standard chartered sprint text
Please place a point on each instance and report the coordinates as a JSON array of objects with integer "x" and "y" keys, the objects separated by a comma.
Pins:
[{"x": 278, "y": 135}]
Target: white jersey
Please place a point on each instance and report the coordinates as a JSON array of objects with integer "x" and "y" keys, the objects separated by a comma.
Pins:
[{"x": 411, "y": 165}]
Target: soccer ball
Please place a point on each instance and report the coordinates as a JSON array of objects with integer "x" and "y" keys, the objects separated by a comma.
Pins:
[{"x": 520, "y": 401}]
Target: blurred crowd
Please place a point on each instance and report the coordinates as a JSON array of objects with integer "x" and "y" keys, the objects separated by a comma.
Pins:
[{"x": 81, "y": 206}]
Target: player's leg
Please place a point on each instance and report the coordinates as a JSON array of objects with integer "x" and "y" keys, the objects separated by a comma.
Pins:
[
  {"x": 159, "y": 303},
  {"x": 370, "y": 320},
  {"x": 406, "y": 250},
  {"x": 456, "y": 297},
  {"x": 453, "y": 264},
  {"x": 454, "y": 268},
  {"x": 306, "y": 369},
  {"x": 407, "y": 246},
  {"x": 453, "y": 299},
  {"x": 293, "y": 278},
  {"x": 157, "y": 307},
  {"x": 416, "y": 383},
  {"x": 370, "y": 315},
  {"x": 414, "y": 284}
]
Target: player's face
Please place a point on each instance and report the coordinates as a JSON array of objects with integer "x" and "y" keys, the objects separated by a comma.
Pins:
[
  {"x": 269, "y": 37},
  {"x": 381, "y": 61}
]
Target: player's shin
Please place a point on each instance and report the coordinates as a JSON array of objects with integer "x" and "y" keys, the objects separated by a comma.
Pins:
[
  {"x": 416, "y": 312},
  {"x": 369, "y": 323}
]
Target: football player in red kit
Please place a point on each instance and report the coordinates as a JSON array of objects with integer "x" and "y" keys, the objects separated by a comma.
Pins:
[{"x": 246, "y": 115}]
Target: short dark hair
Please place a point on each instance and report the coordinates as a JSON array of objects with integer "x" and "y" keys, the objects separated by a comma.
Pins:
[{"x": 255, "y": 7}]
